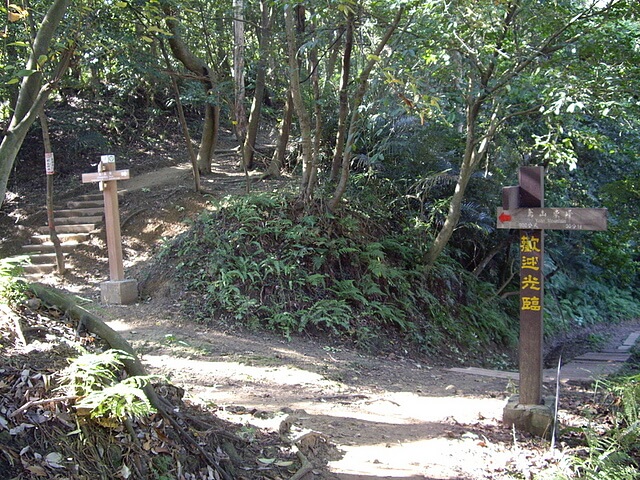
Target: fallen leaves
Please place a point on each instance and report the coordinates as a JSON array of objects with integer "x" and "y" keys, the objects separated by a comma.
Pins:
[{"x": 42, "y": 435}]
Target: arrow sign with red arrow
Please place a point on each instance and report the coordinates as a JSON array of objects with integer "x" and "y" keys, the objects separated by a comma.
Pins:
[
  {"x": 504, "y": 217},
  {"x": 553, "y": 218}
]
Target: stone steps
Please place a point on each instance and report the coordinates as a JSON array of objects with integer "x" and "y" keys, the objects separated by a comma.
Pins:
[
  {"x": 65, "y": 238},
  {"x": 39, "y": 269},
  {"x": 43, "y": 258},
  {"x": 79, "y": 220},
  {"x": 48, "y": 247},
  {"x": 82, "y": 204},
  {"x": 75, "y": 224},
  {"x": 78, "y": 212},
  {"x": 72, "y": 228}
]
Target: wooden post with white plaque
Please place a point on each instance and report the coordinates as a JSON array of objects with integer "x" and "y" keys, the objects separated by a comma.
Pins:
[
  {"x": 523, "y": 209},
  {"x": 117, "y": 290}
]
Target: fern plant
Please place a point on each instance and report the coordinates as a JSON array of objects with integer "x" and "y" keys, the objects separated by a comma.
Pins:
[
  {"x": 262, "y": 262},
  {"x": 94, "y": 378},
  {"x": 615, "y": 454},
  {"x": 11, "y": 290},
  {"x": 123, "y": 400},
  {"x": 92, "y": 371}
]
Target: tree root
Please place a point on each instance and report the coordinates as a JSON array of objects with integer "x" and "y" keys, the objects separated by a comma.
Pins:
[
  {"x": 306, "y": 467},
  {"x": 94, "y": 324}
]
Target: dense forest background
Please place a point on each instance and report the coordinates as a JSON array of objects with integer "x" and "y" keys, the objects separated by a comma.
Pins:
[{"x": 400, "y": 120}]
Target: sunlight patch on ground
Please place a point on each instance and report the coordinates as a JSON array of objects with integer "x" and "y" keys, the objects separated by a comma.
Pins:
[
  {"x": 438, "y": 459},
  {"x": 292, "y": 353},
  {"x": 119, "y": 325},
  {"x": 152, "y": 181},
  {"x": 416, "y": 408},
  {"x": 225, "y": 371}
]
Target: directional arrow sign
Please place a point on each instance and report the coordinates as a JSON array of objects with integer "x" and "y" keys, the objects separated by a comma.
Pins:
[
  {"x": 553, "y": 218},
  {"x": 504, "y": 217},
  {"x": 105, "y": 176}
]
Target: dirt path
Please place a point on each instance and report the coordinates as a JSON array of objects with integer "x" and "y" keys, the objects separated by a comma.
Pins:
[
  {"x": 383, "y": 417},
  {"x": 387, "y": 417}
]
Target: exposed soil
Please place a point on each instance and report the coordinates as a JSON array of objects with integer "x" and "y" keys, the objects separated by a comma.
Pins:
[{"x": 374, "y": 417}]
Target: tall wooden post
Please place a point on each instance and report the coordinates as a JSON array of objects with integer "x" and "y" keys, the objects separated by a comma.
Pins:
[
  {"x": 523, "y": 209},
  {"x": 117, "y": 290},
  {"x": 112, "y": 221}
]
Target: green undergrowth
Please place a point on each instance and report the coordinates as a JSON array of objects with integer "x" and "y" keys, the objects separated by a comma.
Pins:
[
  {"x": 575, "y": 300},
  {"x": 612, "y": 452},
  {"x": 264, "y": 262}
]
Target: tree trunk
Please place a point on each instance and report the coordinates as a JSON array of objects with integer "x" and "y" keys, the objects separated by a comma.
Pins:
[
  {"x": 296, "y": 95},
  {"x": 475, "y": 150},
  {"x": 249, "y": 146},
  {"x": 343, "y": 99},
  {"x": 183, "y": 121},
  {"x": 283, "y": 139},
  {"x": 332, "y": 60},
  {"x": 501, "y": 246},
  {"x": 355, "y": 114},
  {"x": 93, "y": 323},
  {"x": 240, "y": 114},
  {"x": 53, "y": 235},
  {"x": 309, "y": 187},
  {"x": 210, "y": 130},
  {"x": 207, "y": 78},
  {"x": 32, "y": 95}
]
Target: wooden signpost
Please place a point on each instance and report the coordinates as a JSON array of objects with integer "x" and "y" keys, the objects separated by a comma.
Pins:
[
  {"x": 523, "y": 209},
  {"x": 117, "y": 290}
]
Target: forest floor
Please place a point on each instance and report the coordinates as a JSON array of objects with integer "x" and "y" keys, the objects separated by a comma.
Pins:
[{"x": 370, "y": 417}]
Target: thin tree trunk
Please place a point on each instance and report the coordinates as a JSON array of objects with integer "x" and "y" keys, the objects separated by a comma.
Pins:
[
  {"x": 53, "y": 235},
  {"x": 207, "y": 78},
  {"x": 183, "y": 122},
  {"x": 343, "y": 99},
  {"x": 308, "y": 189},
  {"x": 32, "y": 95},
  {"x": 240, "y": 114},
  {"x": 253, "y": 127},
  {"x": 504, "y": 243},
  {"x": 277, "y": 161},
  {"x": 332, "y": 60},
  {"x": 187, "y": 137},
  {"x": 355, "y": 114},
  {"x": 296, "y": 95},
  {"x": 475, "y": 150}
]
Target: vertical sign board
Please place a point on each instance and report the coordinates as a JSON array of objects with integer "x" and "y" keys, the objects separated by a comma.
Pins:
[
  {"x": 531, "y": 315},
  {"x": 523, "y": 209}
]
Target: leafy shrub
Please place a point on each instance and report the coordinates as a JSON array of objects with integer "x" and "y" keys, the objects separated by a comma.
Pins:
[
  {"x": 574, "y": 303},
  {"x": 615, "y": 453},
  {"x": 262, "y": 261},
  {"x": 94, "y": 378},
  {"x": 11, "y": 290}
]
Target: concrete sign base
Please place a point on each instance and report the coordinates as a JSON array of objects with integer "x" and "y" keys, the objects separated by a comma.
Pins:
[
  {"x": 535, "y": 419},
  {"x": 119, "y": 292}
]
